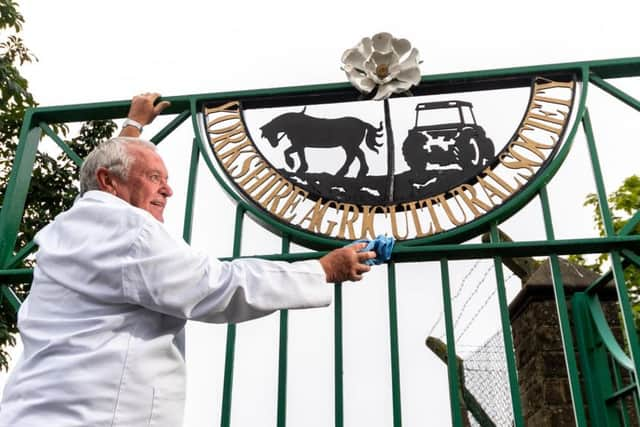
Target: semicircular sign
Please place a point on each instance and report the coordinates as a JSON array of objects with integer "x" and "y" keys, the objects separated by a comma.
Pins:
[{"x": 411, "y": 167}]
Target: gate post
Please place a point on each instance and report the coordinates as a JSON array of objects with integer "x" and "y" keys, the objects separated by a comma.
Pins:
[{"x": 544, "y": 384}]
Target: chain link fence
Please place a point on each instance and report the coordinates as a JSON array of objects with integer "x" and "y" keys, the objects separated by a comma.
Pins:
[{"x": 485, "y": 375}]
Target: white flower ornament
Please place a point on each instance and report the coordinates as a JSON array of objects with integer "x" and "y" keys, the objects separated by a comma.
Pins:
[{"x": 384, "y": 62}]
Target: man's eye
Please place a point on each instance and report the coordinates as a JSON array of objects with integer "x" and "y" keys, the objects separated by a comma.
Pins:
[{"x": 155, "y": 178}]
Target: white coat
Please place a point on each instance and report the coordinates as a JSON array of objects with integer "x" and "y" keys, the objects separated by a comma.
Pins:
[{"x": 103, "y": 327}]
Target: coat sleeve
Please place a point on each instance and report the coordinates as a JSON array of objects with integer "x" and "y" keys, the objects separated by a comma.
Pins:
[{"x": 168, "y": 276}]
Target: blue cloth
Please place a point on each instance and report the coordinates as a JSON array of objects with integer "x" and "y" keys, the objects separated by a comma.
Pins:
[{"x": 382, "y": 245}]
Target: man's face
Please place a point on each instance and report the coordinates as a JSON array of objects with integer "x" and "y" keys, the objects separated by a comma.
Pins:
[{"x": 146, "y": 186}]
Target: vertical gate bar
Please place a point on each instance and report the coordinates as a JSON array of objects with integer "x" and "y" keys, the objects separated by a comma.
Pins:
[
  {"x": 393, "y": 340},
  {"x": 187, "y": 225},
  {"x": 597, "y": 175},
  {"x": 227, "y": 389},
  {"x": 591, "y": 354},
  {"x": 282, "y": 354},
  {"x": 616, "y": 265},
  {"x": 452, "y": 365},
  {"x": 337, "y": 357},
  {"x": 506, "y": 334},
  {"x": 563, "y": 317},
  {"x": 17, "y": 189}
]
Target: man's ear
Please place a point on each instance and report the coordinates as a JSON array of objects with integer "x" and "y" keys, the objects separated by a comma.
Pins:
[{"x": 105, "y": 181}]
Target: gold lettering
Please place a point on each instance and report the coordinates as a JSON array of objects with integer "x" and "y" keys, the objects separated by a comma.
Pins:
[
  {"x": 558, "y": 101},
  {"x": 368, "y": 215},
  {"x": 492, "y": 191},
  {"x": 275, "y": 178},
  {"x": 219, "y": 142},
  {"x": 542, "y": 118},
  {"x": 471, "y": 199},
  {"x": 231, "y": 105},
  {"x": 537, "y": 113},
  {"x": 553, "y": 84},
  {"x": 281, "y": 191},
  {"x": 442, "y": 200},
  {"x": 219, "y": 119},
  {"x": 531, "y": 145},
  {"x": 231, "y": 155},
  {"x": 521, "y": 162},
  {"x": 261, "y": 179},
  {"x": 255, "y": 173},
  {"x": 416, "y": 219},
  {"x": 435, "y": 222},
  {"x": 350, "y": 214},
  {"x": 292, "y": 202},
  {"x": 391, "y": 210},
  {"x": 315, "y": 216},
  {"x": 490, "y": 173},
  {"x": 246, "y": 165}
]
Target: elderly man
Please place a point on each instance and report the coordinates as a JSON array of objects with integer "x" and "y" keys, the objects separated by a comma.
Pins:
[{"x": 103, "y": 327}]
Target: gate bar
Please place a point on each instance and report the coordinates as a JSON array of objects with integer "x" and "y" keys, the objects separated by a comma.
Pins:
[
  {"x": 452, "y": 361},
  {"x": 563, "y": 318},
  {"x": 506, "y": 334},
  {"x": 227, "y": 388},
  {"x": 393, "y": 341},
  {"x": 283, "y": 349},
  {"x": 337, "y": 356}
]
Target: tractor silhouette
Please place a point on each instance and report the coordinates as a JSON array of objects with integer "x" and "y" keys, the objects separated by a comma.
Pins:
[{"x": 446, "y": 138}]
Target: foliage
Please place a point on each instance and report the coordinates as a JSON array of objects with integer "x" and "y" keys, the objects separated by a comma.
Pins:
[
  {"x": 624, "y": 203},
  {"x": 14, "y": 101},
  {"x": 53, "y": 179}
]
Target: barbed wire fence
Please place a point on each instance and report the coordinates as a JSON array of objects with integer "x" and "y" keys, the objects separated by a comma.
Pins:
[{"x": 485, "y": 366}]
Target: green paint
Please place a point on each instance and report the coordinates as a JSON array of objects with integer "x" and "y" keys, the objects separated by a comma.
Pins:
[
  {"x": 394, "y": 347},
  {"x": 282, "y": 354}
]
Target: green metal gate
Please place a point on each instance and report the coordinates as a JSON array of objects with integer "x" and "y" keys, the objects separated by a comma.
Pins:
[{"x": 603, "y": 362}]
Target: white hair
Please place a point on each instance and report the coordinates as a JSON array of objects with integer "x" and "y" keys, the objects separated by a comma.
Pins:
[{"x": 111, "y": 155}]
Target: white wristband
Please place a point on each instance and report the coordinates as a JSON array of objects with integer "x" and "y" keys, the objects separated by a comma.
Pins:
[{"x": 131, "y": 122}]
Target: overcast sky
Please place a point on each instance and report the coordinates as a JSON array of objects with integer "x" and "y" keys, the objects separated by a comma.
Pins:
[{"x": 104, "y": 51}]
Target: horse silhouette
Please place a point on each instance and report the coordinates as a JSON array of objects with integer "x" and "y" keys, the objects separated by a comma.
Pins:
[{"x": 305, "y": 131}]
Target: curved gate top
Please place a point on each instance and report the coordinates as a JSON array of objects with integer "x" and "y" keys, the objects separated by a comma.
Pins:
[{"x": 414, "y": 168}]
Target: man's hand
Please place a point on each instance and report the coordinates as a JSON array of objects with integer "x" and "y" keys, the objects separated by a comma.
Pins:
[
  {"x": 346, "y": 263},
  {"x": 143, "y": 111}
]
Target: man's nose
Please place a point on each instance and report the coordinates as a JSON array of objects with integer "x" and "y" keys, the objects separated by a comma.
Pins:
[{"x": 166, "y": 190}]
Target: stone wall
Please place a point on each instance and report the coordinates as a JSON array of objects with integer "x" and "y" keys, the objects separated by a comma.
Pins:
[{"x": 542, "y": 374}]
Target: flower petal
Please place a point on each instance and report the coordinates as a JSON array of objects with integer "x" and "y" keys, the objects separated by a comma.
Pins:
[
  {"x": 382, "y": 61},
  {"x": 395, "y": 86},
  {"x": 389, "y": 59},
  {"x": 401, "y": 46},
  {"x": 384, "y": 91},
  {"x": 413, "y": 58},
  {"x": 365, "y": 46},
  {"x": 370, "y": 69},
  {"x": 353, "y": 58},
  {"x": 382, "y": 42},
  {"x": 409, "y": 75},
  {"x": 360, "y": 81}
]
